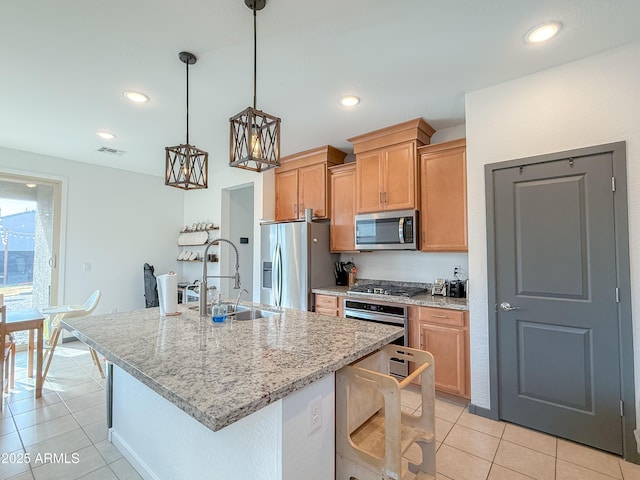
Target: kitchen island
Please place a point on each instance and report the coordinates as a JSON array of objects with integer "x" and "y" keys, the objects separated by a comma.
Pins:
[{"x": 243, "y": 399}]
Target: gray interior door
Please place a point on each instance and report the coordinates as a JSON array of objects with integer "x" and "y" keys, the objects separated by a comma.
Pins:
[{"x": 557, "y": 320}]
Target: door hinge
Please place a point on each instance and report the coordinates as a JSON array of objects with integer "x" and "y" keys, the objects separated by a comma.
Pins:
[
  {"x": 613, "y": 184},
  {"x": 621, "y": 408},
  {"x": 617, "y": 295}
]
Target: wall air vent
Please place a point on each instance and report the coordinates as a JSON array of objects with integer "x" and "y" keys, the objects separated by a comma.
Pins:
[{"x": 111, "y": 151}]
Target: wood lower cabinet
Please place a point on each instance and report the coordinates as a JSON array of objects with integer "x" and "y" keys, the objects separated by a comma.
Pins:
[
  {"x": 445, "y": 334},
  {"x": 387, "y": 167},
  {"x": 343, "y": 207},
  {"x": 328, "y": 305},
  {"x": 301, "y": 182},
  {"x": 443, "y": 197}
]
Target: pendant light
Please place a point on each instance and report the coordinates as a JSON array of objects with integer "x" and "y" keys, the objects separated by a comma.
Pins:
[
  {"x": 186, "y": 165},
  {"x": 255, "y": 135}
]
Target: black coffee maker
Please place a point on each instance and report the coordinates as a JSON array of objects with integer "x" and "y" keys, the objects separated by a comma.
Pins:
[{"x": 456, "y": 289}]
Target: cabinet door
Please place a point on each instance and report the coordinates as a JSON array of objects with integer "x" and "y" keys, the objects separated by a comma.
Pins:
[
  {"x": 399, "y": 176},
  {"x": 287, "y": 195},
  {"x": 312, "y": 190},
  {"x": 448, "y": 347},
  {"x": 343, "y": 209},
  {"x": 443, "y": 197},
  {"x": 368, "y": 181}
]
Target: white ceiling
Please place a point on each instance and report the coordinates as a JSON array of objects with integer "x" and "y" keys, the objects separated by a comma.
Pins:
[{"x": 67, "y": 62}]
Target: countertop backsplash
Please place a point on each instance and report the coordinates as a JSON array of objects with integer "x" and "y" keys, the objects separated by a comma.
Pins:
[{"x": 408, "y": 266}]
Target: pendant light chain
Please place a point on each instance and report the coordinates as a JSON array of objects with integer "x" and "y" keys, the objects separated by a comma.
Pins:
[
  {"x": 255, "y": 56},
  {"x": 187, "y": 64}
]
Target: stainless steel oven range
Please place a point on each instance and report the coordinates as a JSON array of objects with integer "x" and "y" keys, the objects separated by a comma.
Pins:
[{"x": 387, "y": 313}]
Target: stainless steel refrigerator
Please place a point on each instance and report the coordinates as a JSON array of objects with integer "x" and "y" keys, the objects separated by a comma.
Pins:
[{"x": 295, "y": 258}]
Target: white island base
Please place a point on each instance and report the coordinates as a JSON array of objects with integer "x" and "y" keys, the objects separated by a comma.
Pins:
[{"x": 164, "y": 443}]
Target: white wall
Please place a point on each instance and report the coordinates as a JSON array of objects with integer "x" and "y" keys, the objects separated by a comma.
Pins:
[
  {"x": 589, "y": 102},
  {"x": 115, "y": 220},
  {"x": 413, "y": 266}
]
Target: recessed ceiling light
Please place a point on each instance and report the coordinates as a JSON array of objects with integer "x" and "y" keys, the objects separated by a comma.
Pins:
[
  {"x": 349, "y": 100},
  {"x": 136, "y": 97},
  {"x": 30, "y": 185},
  {"x": 543, "y": 32},
  {"x": 106, "y": 135}
]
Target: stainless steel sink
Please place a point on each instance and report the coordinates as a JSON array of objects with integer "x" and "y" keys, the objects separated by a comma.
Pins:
[{"x": 251, "y": 314}]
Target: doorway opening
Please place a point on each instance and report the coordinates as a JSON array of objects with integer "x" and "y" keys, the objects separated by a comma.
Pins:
[
  {"x": 238, "y": 223},
  {"x": 29, "y": 242}
]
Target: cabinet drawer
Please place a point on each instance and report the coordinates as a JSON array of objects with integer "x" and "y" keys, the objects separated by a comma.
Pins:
[
  {"x": 326, "y": 302},
  {"x": 442, "y": 316}
]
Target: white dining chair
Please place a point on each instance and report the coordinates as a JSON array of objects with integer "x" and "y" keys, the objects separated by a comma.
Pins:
[
  {"x": 7, "y": 354},
  {"x": 56, "y": 315}
]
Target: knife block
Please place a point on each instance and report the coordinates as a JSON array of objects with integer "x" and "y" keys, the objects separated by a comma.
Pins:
[{"x": 342, "y": 279}]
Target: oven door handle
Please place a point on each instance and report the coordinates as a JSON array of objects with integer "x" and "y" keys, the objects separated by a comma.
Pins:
[
  {"x": 401, "y": 229},
  {"x": 358, "y": 315}
]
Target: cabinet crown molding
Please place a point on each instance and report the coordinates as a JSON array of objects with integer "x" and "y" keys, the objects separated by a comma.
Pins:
[
  {"x": 326, "y": 153},
  {"x": 417, "y": 129}
]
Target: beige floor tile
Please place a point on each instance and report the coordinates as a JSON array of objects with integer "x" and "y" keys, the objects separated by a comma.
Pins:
[
  {"x": 33, "y": 403},
  {"x": 570, "y": 471},
  {"x": 80, "y": 463},
  {"x": 104, "y": 473},
  {"x": 499, "y": 472},
  {"x": 443, "y": 427},
  {"x": 530, "y": 439},
  {"x": 49, "y": 429},
  {"x": 410, "y": 399},
  {"x": 97, "y": 431},
  {"x": 482, "y": 424},
  {"x": 91, "y": 415},
  {"x": 86, "y": 401},
  {"x": 15, "y": 463},
  {"x": 473, "y": 442},
  {"x": 124, "y": 470},
  {"x": 439, "y": 476},
  {"x": 80, "y": 390},
  {"x": 630, "y": 471},
  {"x": 109, "y": 452},
  {"x": 10, "y": 442},
  {"x": 69, "y": 442},
  {"x": 7, "y": 425},
  {"x": 33, "y": 417},
  {"x": 448, "y": 410},
  {"x": 589, "y": 458},
  {"x": 460, "y": 465},
  {"x": 526, "y": 461},
  {"x": 23, "y": 476}
]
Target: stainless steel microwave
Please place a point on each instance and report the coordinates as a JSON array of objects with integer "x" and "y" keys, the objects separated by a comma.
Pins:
[{"x": 387, "y": 230}]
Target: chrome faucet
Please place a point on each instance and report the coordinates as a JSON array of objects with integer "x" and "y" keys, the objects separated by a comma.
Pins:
[
  {"x": 205, "y": 277},
  {"x": 244, "y": 290}
]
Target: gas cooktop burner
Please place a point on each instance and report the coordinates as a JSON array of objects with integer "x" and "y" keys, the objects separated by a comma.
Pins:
[{"x": 379, "y": 289}]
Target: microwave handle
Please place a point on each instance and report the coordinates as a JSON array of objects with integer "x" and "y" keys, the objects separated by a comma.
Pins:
[{"x": 401, "y": 229}]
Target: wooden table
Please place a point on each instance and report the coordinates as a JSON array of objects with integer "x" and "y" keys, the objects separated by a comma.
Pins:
[{"x": 32, "y": 320}]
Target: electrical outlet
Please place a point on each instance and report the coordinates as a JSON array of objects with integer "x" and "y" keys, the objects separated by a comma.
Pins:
[
  {"x": 457, "y": 270},
  {"x": 315, "y": 414},
  {"x": 86, "y": 267}
]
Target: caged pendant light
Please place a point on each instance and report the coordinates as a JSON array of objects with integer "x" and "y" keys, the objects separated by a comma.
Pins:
[
  {"x": 186, "y": 166},
  {"x": 255, "y": 135}
]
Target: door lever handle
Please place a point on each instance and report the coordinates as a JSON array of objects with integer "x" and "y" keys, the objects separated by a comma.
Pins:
[{"x": 506, "y": 306}]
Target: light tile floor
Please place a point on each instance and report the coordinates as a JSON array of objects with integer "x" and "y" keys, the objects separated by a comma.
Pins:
[
  {"x": 65, "y": 435},
  {"x": 470, "y": 447}
]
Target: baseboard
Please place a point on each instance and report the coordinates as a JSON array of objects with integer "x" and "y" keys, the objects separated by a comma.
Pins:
[
  {"x": 482, "y": 412},
  {"x": 131, "y": 456}
]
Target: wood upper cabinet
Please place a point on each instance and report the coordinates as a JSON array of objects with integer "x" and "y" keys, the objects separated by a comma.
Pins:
[
  {"x": 445, "y": 334},
  {"x": 443, "y": 197},
  {"x": 301, "y": 182},
  {"x": 387, "y": 167},
  {"x": 343, "y": 207}
]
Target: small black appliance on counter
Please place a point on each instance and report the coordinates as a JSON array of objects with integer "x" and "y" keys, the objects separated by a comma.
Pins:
[{"x": 456, "y": 289}]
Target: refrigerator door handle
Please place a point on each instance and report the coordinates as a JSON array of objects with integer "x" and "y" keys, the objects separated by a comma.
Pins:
[{"x": 277, "y": 272}]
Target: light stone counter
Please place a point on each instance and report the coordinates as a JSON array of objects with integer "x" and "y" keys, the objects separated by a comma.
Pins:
[
  {"x": 219, "y": 374},
  {"x": 423, "y": 300}
]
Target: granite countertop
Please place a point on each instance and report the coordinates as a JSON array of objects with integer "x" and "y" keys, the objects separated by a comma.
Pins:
[
  {"x": 220, "y": 373},
  {"x": 423, "y": 299}
]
